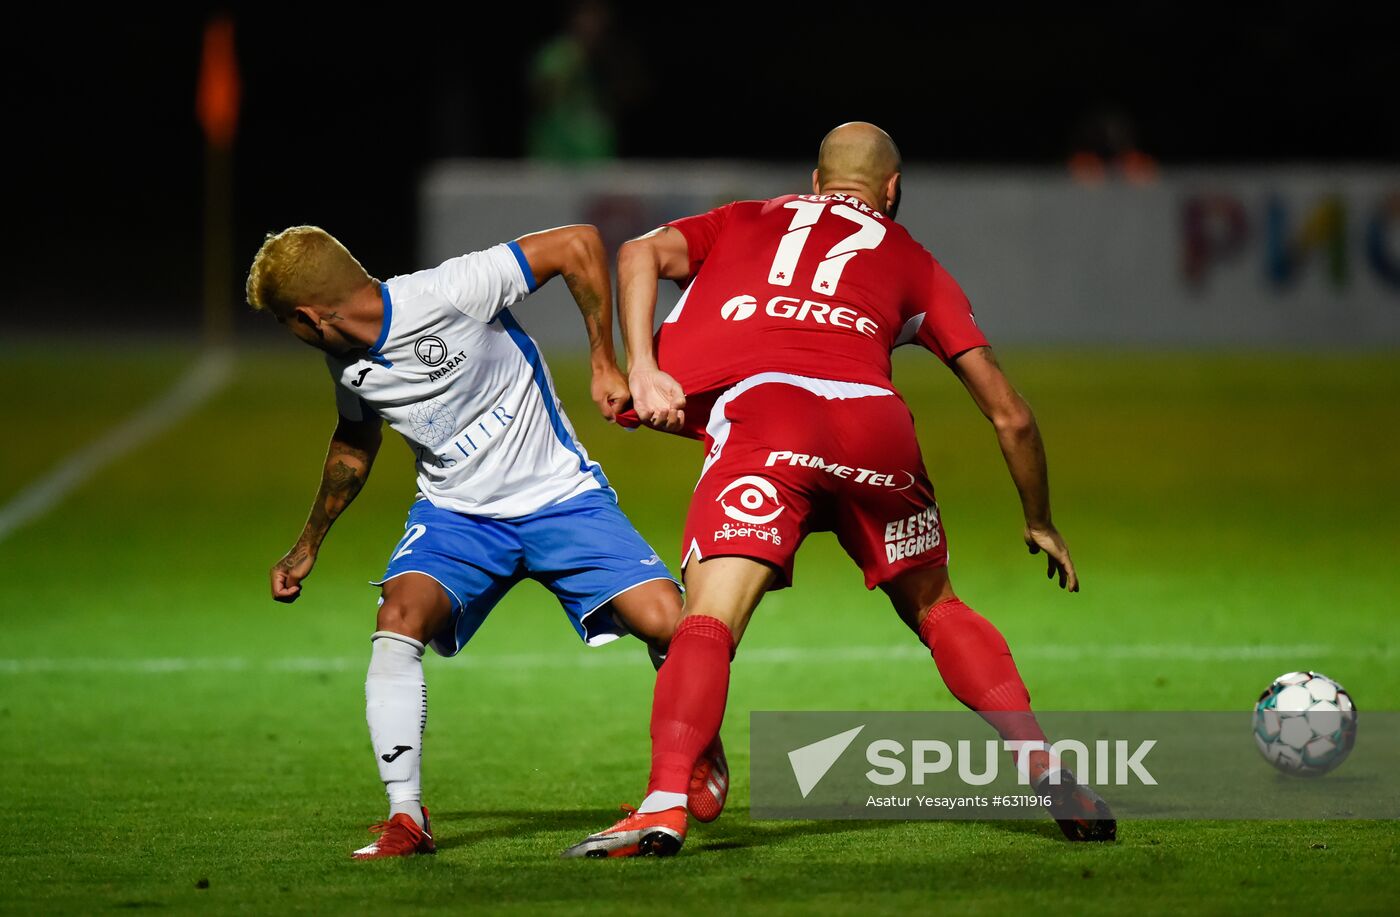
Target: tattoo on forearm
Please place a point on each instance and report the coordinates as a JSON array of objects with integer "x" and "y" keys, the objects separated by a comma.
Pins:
[
  {"x": 295, "y": 557},
  {"x": 340, "y": 482},
  {"x": 342, "y": 477}
]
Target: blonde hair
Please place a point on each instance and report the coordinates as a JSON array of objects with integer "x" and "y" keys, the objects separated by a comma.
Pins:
[{"x": 301, "y": 266}]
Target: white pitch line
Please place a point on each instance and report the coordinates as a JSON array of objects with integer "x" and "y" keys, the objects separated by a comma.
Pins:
[
  {"x": 210, "y": 373},
  {"x": 1300, "y": 654}
]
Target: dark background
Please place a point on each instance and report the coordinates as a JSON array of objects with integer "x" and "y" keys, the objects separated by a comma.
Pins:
[{"x": 341, "y": 111}]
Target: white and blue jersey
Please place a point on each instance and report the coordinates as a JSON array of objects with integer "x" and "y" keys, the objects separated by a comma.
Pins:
[
  {"x": 455, "y": 374},
  {"x": 506, "y": 491}
]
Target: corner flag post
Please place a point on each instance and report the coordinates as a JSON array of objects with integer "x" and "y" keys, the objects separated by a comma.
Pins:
[{"x": 216, "y": 104}]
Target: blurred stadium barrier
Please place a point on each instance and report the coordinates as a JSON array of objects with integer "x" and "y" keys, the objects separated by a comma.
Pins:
[{"x": 1269, "y": 257}]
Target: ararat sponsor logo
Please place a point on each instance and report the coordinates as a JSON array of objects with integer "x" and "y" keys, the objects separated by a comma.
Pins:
[
  {"x": 800, "y": 310},
  {"x": 430, "y": 350},
  {"x": 754, "y": 500},
  {"x": 454, "y": 363},
  {"x": 913, "y": 535},
  {"x": 730, "y": 531},
  {"x": 845, "y": 472}
]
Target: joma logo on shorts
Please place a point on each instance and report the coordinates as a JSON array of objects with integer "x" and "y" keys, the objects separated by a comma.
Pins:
[
  {"x": 913, "y": 535},
  {"x": 801, "y": 310},
  {"x": 846, "y": 472}
]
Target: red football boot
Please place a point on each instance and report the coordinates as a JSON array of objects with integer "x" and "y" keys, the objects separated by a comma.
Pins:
[
  {"x": 709, "y": 784},
  {"x": 653, "y": 834},
  {"x": 400, "y": 836}
]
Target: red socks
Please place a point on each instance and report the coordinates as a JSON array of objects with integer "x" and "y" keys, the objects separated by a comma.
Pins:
[
  {"x": 693, "y": 686},
  {"x": 688, "y": 705},
  {"x": 976, "y": 665}
]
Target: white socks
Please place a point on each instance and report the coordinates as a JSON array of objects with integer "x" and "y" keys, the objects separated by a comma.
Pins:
[
  {"x": 396, "y": 708},
  {"x": 657, "y": 801}
]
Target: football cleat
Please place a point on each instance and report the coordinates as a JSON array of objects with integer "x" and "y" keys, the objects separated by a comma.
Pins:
[
  {"x": 709, "y": 784},
  {"x": 1080, "y": 812},
  {"x": 400, "y": 836},
  {"x": 636, "y": 835}
]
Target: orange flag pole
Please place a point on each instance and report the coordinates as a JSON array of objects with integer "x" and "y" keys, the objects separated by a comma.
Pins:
[{"x": 216, "y": 105}]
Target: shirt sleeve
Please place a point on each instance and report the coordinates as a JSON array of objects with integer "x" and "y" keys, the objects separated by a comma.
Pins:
[
  {"x": 347, "y": 403},
  {"x": 947, "y": 326},
  {"x": 700, "y": 233},
  {"x": 481, "y": 284}
]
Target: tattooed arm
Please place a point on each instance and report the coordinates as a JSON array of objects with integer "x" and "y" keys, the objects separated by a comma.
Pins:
[
  {"x": 577, "y": 253},
  {"x": 348, "y": 460}
]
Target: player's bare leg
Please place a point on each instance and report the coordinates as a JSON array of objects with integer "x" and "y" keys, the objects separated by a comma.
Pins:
[
  {"x": 651, "y": 612},
  {"x": 413, "y": 610},
  {"x": 688, "y": 704},
  {"x": 976, "y": 665}
]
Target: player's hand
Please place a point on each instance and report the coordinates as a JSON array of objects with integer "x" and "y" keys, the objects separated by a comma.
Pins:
[
  {"x": 610, "y": 391},
  {"x": 288, "y": 573},
  {"x": 658, "y": 399},
  {"x": 1050, "y": 541}
]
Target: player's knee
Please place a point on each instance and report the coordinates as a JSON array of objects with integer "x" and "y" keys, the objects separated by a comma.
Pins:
[
  {"x": 730, "y": 615},
  {"x": 946, "y": 610},
  {"x": 916, "y": 593},
  {"x": 400, "y": 617},
  {"x": 656, "y": 620},
  {"x": 952, "y": 620}
]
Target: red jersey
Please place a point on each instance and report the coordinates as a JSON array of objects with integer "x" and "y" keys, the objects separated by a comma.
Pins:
[{"x": 817, "y": 285}]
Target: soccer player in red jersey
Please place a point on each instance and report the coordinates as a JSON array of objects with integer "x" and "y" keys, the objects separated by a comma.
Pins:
[{"x": 778, "y": 356}]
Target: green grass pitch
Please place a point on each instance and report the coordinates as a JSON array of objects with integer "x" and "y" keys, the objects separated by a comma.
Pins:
[{"x": 174, "y": 740}]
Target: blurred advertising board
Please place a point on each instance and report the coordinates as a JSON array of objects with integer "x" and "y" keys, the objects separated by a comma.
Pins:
[{"x": 1270, "y": 257}]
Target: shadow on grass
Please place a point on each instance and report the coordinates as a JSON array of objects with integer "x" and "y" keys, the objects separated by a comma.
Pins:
[
  {"x": 1043, "y": 827},
  {"x": 735, "y": 832},
  {"x": 743, "y": 834},
  {"x": 749, "y": 833}
]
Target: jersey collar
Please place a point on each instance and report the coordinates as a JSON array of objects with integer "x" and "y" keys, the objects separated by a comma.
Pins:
[{"x": 374, "y": 353}]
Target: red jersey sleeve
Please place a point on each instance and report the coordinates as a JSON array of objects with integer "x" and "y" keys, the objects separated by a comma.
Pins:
[
  {"x": 948, "y": 328},
  {"x": 700, "y": 233}
]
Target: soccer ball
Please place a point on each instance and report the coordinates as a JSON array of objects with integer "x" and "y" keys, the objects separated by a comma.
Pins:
[{"x": 1305, "y": 724}]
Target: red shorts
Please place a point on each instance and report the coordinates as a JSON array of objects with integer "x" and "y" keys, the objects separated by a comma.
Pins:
[{"x": 790, "y": 455}]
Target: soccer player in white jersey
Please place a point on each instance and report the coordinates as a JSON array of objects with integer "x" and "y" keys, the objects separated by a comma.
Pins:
[{"x": 506, "y": 491}]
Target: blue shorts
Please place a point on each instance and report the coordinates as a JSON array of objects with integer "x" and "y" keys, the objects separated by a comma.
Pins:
[{"x": 584, "y": 550}]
